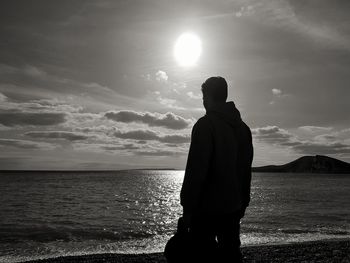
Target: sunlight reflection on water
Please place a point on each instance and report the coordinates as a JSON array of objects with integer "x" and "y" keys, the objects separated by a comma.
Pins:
[{"x": 137, "y": 211}]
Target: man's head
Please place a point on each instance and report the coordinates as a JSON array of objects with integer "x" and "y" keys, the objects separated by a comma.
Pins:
[{"x": 214, "y": 91}]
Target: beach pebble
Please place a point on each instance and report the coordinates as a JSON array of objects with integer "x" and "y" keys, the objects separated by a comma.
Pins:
[{"x": 320, "y": 252}]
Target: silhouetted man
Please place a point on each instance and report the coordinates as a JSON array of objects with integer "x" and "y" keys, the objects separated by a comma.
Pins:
[{"x": 216, "y": 188}]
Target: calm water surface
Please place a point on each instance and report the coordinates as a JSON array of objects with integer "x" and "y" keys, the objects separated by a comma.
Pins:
[{"x": 46, "y": 214}]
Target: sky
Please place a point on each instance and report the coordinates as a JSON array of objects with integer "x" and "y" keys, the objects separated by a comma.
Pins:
[{"x": 92, "y": 85}]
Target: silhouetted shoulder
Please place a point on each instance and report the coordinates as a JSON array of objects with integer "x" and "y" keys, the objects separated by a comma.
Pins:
[
  {"x": 203, "y": 123},
  {"x": 247, "y": 128}
]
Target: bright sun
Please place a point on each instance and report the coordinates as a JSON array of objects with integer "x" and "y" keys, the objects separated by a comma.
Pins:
[{"x": 188, "y": 48}]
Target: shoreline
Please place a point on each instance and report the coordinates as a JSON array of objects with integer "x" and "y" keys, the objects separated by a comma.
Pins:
[{"x": 333, "y": 250}]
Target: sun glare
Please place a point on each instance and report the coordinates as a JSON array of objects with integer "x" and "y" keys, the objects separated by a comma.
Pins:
[{"x": 187, "y": 50}]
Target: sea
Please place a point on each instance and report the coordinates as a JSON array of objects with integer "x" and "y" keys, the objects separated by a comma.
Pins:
[{"x": 51, "y": 214}]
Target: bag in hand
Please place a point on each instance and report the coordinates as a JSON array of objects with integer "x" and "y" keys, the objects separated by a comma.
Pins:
[{"x": 177, "y": 248}]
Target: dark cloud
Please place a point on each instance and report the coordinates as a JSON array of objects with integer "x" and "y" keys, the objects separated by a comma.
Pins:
[
  {"x": 24, "y": 144},
  {"x": 65, "y": 135},
  {"x": 100, "y": 128},
  {"x": 168, "y": 120},
  {"x": 171, "y": 145},
  {"x": 145, "y": 135},
  {"x": 271, "y": 134},
  {"x": 17, "y": 118},
  {"x": 177, "y": 138},
  {"x": 309, "y": 147},
  {"x": 322, "y": 144},
  {"x": 149, "y": 135}
]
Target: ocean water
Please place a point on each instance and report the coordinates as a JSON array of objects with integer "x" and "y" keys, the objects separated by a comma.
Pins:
[{"x": 48, "y": 214}]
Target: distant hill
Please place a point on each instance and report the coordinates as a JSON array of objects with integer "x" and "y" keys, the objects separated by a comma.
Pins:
[{"x": 308, "y": 164}]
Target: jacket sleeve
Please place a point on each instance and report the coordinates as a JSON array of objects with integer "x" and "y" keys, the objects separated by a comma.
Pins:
[{"x": 198, "y": 164}]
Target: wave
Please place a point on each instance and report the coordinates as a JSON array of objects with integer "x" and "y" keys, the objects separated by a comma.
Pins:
[
  {"x": 49, "y": 234},
  {"x": 46, "y": 233},
  {"x": 285, "y": 230}
]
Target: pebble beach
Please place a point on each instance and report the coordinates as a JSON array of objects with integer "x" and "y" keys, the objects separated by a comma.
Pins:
[{"x": 318, "y": 251}]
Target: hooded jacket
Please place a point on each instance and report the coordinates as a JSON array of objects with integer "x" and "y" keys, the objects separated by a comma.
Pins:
[{"x": 218, "y": 171}]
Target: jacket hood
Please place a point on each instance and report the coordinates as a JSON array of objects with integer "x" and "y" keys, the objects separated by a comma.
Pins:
[{"x": 226, "y": 112}]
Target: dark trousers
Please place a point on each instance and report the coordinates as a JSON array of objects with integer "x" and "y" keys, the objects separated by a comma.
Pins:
[{"x": 216, "y": 238}]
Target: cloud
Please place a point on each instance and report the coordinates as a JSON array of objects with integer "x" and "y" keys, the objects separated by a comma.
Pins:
[
  {"x": 313, "y": 129},
  {"x": 176, "y": 138},
  {"x": 322, "y": 144},
  {"x": 279, "y": 93},
  {"x": 33, "y": 71},
  {"x": 193, "y": 96},
  {"x": 3, "y": 98},
  {"x": 149, "y": 135},
  {"x": 170, "y": 103},
  {"x": 159, "y": 153},
  {"x": 145, "y": 135},
  {"x": 94, "y": 129},
  {"x": 147, "y": 77},
  {"x": 345, "y": 130},
  {"x": 128, "y": 146},
  {"x": 27, "y": 70},
  {"x": 37, "y": 112},
  {"x": 53, "y": 105},
  {"x": 308, "y": 147},
  {"x": 325, "y": 137},
  {"x": 87, "y": 123},
  {"x": 24, "y": 144},
  {"x": 134, "y": 148},
  {"x": 69, "y": 136},
  {"x": 272, "y": 134},
  {"x": 109, "y": 148},
  {"x": 276, "y": 92},
  {"x": 4, "y": 128},
  {"x": 28, "y": 81},
  {"x": 161, "y": 76},
  {"x": 245, "y": 11},
  {"x": 17, "y": 118},
  {"x": 175, "y": 95},
  {"x": 168, "y": 120},
  {"x": 11, "y": 101},
  {"x": 300, "y": 18}
]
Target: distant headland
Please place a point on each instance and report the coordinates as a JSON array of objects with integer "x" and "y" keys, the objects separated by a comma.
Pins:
[
  {"x": 308, "y": 164},
  {"x": 305, "y": 164}
]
